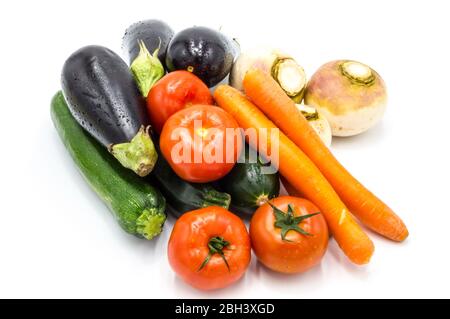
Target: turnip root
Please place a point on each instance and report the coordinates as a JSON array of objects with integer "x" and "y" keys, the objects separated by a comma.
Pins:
[
  {"x": 282, "y": 67},
  {"x": 318, "y": 122},
  {"x": 350, "y": 94}
]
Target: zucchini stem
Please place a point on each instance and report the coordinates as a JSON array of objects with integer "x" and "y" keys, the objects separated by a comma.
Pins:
[
  {"x": 212, "y": 197},
  {"x": 139, "y": 154},
  {"x": 149, "y": 224}
]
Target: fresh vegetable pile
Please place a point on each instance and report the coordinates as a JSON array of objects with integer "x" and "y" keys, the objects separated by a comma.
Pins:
[{"x": 149, "y": 137}]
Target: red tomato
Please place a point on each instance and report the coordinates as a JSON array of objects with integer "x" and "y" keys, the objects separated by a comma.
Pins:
[
  {"x": 173, "y": 92},
  {"x": 201, "y": 143},
  {"x": 305, "y": 238},
  {"x": 209, "y": 248}
]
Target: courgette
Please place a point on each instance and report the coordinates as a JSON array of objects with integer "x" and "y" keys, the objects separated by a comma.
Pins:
[
  {"x": 138, "y": 206},
  {"x": 183, "y": 196},
  {"x": 248, "y": 185}
]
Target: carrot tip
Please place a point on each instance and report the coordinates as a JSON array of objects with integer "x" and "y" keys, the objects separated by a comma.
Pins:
[{"x": 402, "y": 237}]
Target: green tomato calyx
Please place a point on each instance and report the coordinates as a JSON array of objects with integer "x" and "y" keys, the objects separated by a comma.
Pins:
[
  {"x": 216, "y": 245},
  {"x": 287, "y": 221}
]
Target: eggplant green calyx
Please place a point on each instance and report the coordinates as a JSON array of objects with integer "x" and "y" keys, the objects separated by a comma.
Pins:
[
  {"x": 146, "y": 69},
  {"x": 216, "y": 246},
  {"x": 139, "y": 154},
  {"x": 357, "y": 73},
  {"x": 291, "y": 77},
  {"x": 287, "y": 221},
  {"x": 150, "y": 223}
]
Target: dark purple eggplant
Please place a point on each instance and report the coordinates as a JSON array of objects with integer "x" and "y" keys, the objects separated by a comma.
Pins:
[
  {"x": 103, "y": 98},
  {"x": 154, "y": 33},
  {"x": 205, "y": 52}
]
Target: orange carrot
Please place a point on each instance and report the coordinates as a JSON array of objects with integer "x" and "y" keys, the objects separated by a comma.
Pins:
[
  {"x": 290, "y": 189},
  {"x": 273, "y": 101},
  {"x": 301, "y": 172}
]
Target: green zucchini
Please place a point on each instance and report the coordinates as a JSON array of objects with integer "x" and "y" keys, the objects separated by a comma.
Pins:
[
  {"x": 183, "y": 196},
  {"x": 248, "y": 185},
  {"x": 137, "y": 206}
]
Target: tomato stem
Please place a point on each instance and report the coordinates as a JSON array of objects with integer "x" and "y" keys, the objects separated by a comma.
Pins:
[
  {"x": 216, "y": 246},
  {"x": 287, "y": 221}
]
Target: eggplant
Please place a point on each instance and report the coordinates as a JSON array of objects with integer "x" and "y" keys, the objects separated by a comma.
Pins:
[
  {"x": 205, "y": 52},
  {"x": 153, "y": 33},
  {"x": 102, "y": 96}
]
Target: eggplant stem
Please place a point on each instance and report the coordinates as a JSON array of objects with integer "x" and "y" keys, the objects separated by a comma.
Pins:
[
  {"x": 139, "y": 154},
  {"x": 146, "y": 68}
]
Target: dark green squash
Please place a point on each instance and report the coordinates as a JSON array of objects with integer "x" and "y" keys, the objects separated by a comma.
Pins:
[
  {"x": 138, "y": 207},
  {"x": 181, "y": 195},
  {"x": 247, "y": 184}
]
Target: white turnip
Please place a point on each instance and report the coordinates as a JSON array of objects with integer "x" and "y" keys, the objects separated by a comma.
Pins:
[{"x": 351, "y": 95}]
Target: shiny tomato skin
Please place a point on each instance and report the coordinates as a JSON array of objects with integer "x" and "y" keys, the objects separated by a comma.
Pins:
[
  {"x": 301, "y": 252},
  {"x": 204, "y": 130},
  {"x": 173, "y": 92},
  {"x": 188, "y": 248}
]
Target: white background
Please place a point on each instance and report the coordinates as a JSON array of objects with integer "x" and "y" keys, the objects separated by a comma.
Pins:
[{"x": 57, "y": 239}]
